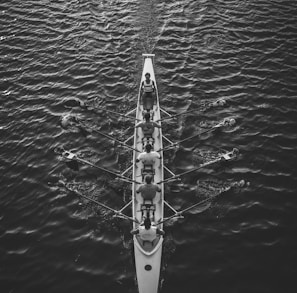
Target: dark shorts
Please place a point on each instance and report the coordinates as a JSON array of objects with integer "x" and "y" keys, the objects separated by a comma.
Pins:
[{"x": 148, "y": 100}]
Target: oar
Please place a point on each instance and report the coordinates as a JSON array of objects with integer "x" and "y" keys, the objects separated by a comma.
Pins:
[
  {"x": 120, "y": 114},
  {"x": 180, "y": 213},
  {"x": 71, "y": 156},
  {"x": 108, "y": 136},
  {"x": 116, "y": 212},
  {"x": 176, "y": 115},
  {"x": 114, "y": 112},
  {"x": 227, "y": 156},
  {"x": 193, "y": 136},
  {"x": 208, "y": 105}
]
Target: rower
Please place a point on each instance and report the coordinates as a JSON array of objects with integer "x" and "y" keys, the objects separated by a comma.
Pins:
[
  {"x": 148, "y": 126},
  {"x": 148, "y": 190},
  {"x": 147, "y": 90},
  {"x": 148, "y": 231},
  {"x": 148, "y": 157}
]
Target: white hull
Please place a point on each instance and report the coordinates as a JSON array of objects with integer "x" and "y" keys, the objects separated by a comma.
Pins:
[{"x": 148, "y": 257}]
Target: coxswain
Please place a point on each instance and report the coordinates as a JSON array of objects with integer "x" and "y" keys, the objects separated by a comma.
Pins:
[
  {"x": 148, "y": 231},
  {"x": 147, "y": 90}
]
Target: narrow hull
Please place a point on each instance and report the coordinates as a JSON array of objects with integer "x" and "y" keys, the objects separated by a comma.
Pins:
[
  {"x": 148, "y": 256},
  {"x": 148, "y": 267}
]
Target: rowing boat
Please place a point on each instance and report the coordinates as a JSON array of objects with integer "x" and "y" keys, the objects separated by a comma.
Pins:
[{"x": 148, "y": 255}]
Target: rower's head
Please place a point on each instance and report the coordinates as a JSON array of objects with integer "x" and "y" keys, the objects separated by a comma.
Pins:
[
  {"x": 148, "y": 148},
  {"x": 147, "y": 223},
  {"x": 147, "y": 76},
  {"x": 148, "y": 179},
  {"x": 147, "y": 116}
]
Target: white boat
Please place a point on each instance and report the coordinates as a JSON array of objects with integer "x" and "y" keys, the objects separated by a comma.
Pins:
[{"x": 148, "y": 255}]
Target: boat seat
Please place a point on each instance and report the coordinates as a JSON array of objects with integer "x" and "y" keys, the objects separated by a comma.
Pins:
[
  {"x": 148, "y": 209},
  {"x": 152, "y": 114},
  {"x": 147, "y": 170},
  {"x": 148, "y": 206},
  {"x": 148, "y": 139}
]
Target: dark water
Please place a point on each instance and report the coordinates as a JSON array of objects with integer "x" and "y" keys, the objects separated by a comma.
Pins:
[{"x": 54, "y": 53}]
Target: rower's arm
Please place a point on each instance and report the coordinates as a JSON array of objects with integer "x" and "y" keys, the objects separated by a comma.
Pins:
[
  {"x": 160, "y": 231},
  {"x": 139, "y": 124},
  {"x": 134, "y": 231},
  {"x": 138, "y": 158},
  {"x": 154, "y": 87},
  {"x": 141, "y": 87},
  {"x": 157, "y": 125}
]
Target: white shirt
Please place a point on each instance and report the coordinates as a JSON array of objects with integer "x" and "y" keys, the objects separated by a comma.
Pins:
[{"x": 148, "y": 158}]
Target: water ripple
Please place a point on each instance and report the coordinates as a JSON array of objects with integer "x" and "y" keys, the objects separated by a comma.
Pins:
[{"x": 58, "y": 55}]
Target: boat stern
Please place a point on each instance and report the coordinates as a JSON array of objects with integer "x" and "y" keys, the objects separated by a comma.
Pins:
[{"x": 148, "y": 266}]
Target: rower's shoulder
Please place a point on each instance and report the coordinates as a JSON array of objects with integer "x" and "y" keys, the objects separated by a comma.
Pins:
[{"x": 139, "y": 123}]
